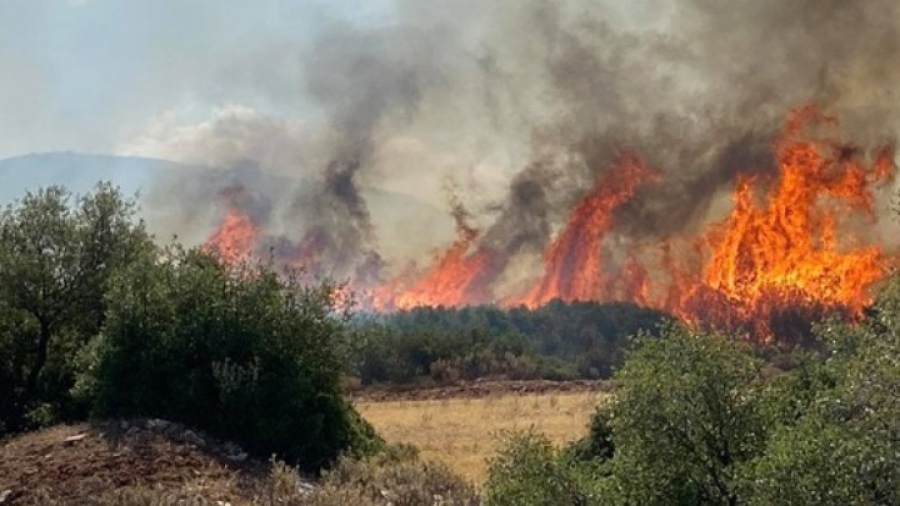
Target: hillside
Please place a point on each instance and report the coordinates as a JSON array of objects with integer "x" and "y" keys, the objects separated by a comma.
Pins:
[
  {"x": 77, "y": 464},
  {"x": 80, "y": 172}
]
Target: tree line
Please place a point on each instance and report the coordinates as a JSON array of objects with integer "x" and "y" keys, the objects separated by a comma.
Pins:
[{"x": 558, "y": 341}]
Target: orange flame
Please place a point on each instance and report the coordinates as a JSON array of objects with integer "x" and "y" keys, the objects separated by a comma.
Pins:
[
  {"x": 237, "y": 236},
  {"x": 573, "y": 264},
  {"x": 792, "y": 243},
  {"x": 785, "y": 252},
  {"x": 456, "y": 278}
]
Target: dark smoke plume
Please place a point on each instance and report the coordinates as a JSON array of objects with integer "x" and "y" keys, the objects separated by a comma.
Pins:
[{"x": 529, "y": 101}]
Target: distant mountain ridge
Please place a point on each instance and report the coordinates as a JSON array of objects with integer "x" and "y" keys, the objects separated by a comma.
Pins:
[
  {"x": 159, "y": 183},
  {"x": 81, "y": 172}
]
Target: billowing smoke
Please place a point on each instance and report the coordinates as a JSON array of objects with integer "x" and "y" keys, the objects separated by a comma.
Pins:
[
  {"x": 526, "y": 103},
  {"x": 703, "y": 98},
  {"x": 361, "y": 81}
]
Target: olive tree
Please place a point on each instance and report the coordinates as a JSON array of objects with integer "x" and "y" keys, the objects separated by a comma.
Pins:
[
  {"x": 685, "y": 420},
  {"x": 244, "y": 352},
  {"x": 57, "y": 252}
]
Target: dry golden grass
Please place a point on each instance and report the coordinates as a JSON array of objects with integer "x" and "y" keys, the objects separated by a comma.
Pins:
[{"x": 462, "y": 432}]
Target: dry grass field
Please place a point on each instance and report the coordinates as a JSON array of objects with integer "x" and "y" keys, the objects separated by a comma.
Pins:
[{"x": 463, "y": 431}]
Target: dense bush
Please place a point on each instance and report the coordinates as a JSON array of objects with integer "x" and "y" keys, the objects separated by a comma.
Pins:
[
  {"x": 701, "y": 420},
  {"x": 400, "y": 479},
  {"x": 598, "y": 445},
  {"x": 686, "y": 418},
  {"x": 529, "y": 470},
  {"x": 244, "y": 353}
]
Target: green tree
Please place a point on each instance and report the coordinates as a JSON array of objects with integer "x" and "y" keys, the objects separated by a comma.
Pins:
[
  {"x": 246, "y": 353},
  {"x": 57, "y": 252},
  {"x": 843, "y": 446},
  {"x": 685, "y": 419},
  {"x": 528, "y": 469}
]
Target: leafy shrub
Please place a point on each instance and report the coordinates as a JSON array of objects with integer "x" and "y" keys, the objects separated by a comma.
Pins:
[
  {"x": 685, "y": 419},
  {"x": 598, "y": 444},
  {"x": 243, "y": 353},
  {"x": 528, "y": 469}
]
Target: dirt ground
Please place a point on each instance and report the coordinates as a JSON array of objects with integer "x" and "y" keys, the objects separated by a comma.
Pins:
[
  {"x": 479, "y": 389},
  {"x": 459, "y": 425},
  {"x": 74, "y": 464}
]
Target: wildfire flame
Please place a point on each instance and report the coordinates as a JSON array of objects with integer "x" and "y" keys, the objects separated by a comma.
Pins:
[
  {"x": 786, "y": 252},
  {"x": 791, "y": 243},
  {"x": 236, "y": 238},
  {"x": 573, "y": 264},
  {"x": 456, "y": 278}
]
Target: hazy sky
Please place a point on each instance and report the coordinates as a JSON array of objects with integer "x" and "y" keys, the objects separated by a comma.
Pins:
[{"x": 91, "y": 75}]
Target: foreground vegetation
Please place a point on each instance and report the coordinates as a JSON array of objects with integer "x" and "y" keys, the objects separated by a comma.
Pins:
[
  {"x": 95, "y": 319},
  {"x": 98, "y": 321},
  {"x": 700, "y": 419}
]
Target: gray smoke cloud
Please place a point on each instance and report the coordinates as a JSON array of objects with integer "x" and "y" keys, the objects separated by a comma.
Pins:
[
  {"x": 528, "y": 101},
  {"x": 362, "y": 82},
  {"x": 704, "y": 98}
]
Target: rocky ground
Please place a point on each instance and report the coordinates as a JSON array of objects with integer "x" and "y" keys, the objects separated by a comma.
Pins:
[
  {"x": 74, "y": 464},
  {"x": 112, "y": 463}
]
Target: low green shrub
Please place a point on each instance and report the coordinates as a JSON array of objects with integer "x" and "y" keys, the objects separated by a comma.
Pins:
[
  {"x": 598, "y": 444},
  {"x": 528, "y": 469},
  {"x": 394, "y": 477}
]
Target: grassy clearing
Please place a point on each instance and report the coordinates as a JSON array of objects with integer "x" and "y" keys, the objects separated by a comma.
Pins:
[{"x": 462, "y": 432}]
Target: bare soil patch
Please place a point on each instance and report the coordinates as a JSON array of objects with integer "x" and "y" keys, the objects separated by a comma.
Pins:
[
  {"x": 478, "y": 389},
  {"x": 75, "y": 464}
]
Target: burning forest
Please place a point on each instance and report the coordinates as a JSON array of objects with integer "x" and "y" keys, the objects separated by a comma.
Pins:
[
  {"x": 677, "y": 160},
  {"x": 795, "y": 241}
]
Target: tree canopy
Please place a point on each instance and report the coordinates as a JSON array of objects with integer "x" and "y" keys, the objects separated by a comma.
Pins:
[{"x": 57, "y": 253}]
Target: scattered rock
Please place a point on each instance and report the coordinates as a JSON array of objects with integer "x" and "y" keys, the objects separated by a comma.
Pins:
[
  {"x": 5, "y": 495},
  {"x": 192, "y": 437},
  {"x": 77, "y": 437},
  {"x": 237, "y": 457},
  {"x": 158, "y": 424}
]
